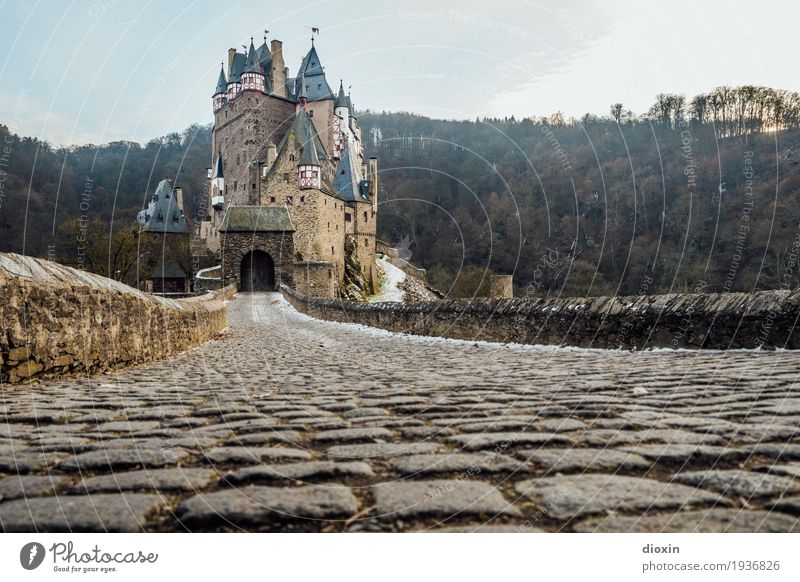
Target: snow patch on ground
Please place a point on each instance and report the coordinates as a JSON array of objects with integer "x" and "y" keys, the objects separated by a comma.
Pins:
[{"x": 390, "y": 283}]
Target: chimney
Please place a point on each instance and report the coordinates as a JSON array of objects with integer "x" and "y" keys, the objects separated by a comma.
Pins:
[
  {"x": 278, "y": 68},
  {"x": 179, "y": 198},
  {"x": 231, "y": 54},
  {"x": 373, "y": 181}
]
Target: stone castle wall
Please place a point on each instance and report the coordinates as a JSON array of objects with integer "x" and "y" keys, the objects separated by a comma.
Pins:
[
  {"x": 59, "y": 321},
  {"x": 720, "y": 321},
  {"x": 242, "y": 130}
]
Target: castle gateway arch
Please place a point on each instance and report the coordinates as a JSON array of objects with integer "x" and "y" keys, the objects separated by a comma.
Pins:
[{"x": 257, "y": 272}]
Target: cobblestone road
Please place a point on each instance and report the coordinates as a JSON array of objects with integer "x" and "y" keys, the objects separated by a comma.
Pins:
[{"x": 290, "y": 424}]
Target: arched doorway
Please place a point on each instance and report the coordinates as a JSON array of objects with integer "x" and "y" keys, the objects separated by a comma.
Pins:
[{"x": 257, "y": 272}]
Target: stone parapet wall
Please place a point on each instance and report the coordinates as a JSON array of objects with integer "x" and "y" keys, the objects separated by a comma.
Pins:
[
  {"x": 56, "y": 320},
  {"x": 768, "y": 319}
]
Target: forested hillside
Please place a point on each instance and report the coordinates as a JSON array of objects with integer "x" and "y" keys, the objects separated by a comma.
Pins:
[
  {"x": 51, "y": 197},
  {"x": 694, "y": 194},
  {"x": 702, "y": 194}
]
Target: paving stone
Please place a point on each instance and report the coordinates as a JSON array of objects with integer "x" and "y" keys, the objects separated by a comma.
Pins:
[
  {"x": 380, "y": 450},
  {"x": 78, "y": 513},
  {"x": 679, "y": 454},
  {"x": 441, "y": 499},
  {"x": 504, "y": 440},
  {"x": 114, "y": 459},
  {"x": 575, "y": 460},
  {"x": 787, "y": 470},
  {"x": 368, "y": 411},
  {"x": 714, "y": 520},
  {"x": 779, "y": 451},
  {"x": 257, "y": 506},
  {"x": 353, "y": 435},
  {"x": 127, "y": 426},
  {"x": 225, "y": 455},
  {"x": 559, "y": 425},
  {"x": 15, "y": 486},
  {"x": 483, "y": 528},
  {"x": 178, "y": 479},
  {"x": 469, "y": 464},
  {"x": 569, "y": 496},
  {"x": 745, "y": 484},
  {"x": 27, "y": 460},
  {"x": 788, "y": 505},
  {"x": 312, "y": 470},
  {"x": 277, "y": 436}
]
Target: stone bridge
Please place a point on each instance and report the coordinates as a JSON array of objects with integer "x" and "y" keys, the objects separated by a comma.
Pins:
[{"x": 287, "y": 423}]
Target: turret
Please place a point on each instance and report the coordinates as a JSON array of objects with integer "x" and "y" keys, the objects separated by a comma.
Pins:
[
  {"x": 340, "y": 107},
  {"x": 217, "y": 185},
  {"x": 310, "y": 170},
  {"x": 372, "y": 176},
  {"x": 253, "y": 75},
  {"x": 219, "y": 98}
]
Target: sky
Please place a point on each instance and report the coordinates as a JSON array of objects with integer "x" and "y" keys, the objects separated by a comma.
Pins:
[{"x": 94, "y": 71}]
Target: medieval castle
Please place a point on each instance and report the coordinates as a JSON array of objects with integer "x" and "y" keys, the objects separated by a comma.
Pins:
[{"x": 292, "y": 198}]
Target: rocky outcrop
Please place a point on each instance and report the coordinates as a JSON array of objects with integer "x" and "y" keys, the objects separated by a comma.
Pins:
[
  {"x": 55, "y": 320},
  {"x": 766, "y": 319},
  {"x": 354, "y": 286}
]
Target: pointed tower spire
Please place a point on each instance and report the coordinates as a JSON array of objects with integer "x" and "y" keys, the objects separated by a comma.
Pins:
[
  {"x": 253, "y": 74},
  {"x": 220, "y": 93},
  {"x": 341, "y": 99}
]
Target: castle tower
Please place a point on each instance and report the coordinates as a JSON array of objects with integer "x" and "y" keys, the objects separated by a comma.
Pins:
[
  {"x": 253, "y": 78},
  {"x": 217, "y": 185},
  {"x": 219, "y": 98},
  {"x": 310, "y": 170}
]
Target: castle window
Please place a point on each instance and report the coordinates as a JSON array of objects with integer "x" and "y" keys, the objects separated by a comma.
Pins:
[
  {"x": 311, "y": 113},
  {"x": 253, "y": 186},
  {"x": 348, "y": 217},
  {"x": 302, "y": 198},
  {"x": 291, "y": 158},
  {"x": 365, "y": 215},
  {"x": 366, "y": 242},
  {"x": 332, "y": 251},
  {"x": 235, "y": 185},
  {"x": 289, "y": 200},
  {"x": 286, "y": 177},
  {"x": 238, "y": 161},
  {"x": 272, "y": 199}
]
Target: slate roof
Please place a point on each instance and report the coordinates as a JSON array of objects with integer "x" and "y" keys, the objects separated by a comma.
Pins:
[
  {"x": 309, "y": 157},
  {"x": 345, "y": 181},
  {"x": 311, "y": 78},
  {"x": 237, "y": 68},
  {"x": 222, "y": 84},
  {"x": 341, "y": 100},
  {"x": 301, "y": 126},
  {"x": 169, "y": 269},
  {"x": 256, "y": 219},
  {"x": 162, "y": 214}
]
